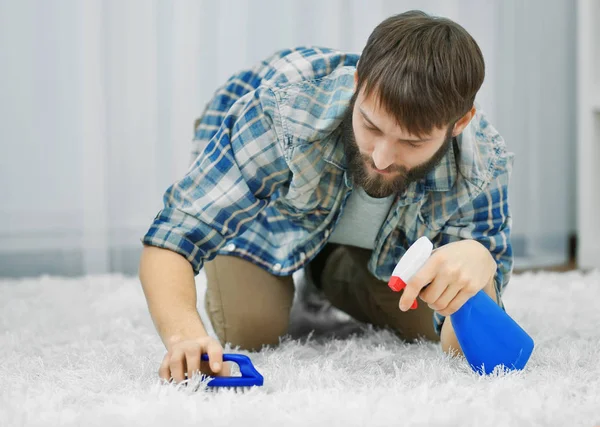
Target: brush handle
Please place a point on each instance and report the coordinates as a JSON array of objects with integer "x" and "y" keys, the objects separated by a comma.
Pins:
[{"x": 250, "y": 376}]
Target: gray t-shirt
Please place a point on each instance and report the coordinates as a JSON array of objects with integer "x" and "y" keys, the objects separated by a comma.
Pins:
[{"x": 361, "y": 219}]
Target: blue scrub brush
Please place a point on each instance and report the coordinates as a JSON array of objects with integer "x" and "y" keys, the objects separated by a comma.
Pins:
[{"x": 250, "y": 376}]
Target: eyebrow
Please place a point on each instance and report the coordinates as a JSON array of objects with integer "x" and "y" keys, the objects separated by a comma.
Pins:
[{"x": 366, "y": 117}]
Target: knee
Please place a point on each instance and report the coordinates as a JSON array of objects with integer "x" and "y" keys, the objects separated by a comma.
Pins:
[
  {"x": 416, "y": 329},
  {"x": 253, "y": 331}
]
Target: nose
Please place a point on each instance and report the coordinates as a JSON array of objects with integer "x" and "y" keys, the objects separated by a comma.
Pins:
[{"x": 383, "y": 155}]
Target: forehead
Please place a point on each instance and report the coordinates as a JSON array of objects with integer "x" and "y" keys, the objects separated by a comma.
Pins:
[{"x": 371, "y": 110}]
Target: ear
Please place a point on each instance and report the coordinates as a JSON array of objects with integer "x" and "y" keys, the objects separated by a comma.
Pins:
[
  {"x": 355, "y": 79},
  {"x": 462, "y": 123}
]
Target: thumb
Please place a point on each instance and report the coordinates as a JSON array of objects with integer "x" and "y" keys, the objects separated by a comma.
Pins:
[{"x": 215, "y": 356}]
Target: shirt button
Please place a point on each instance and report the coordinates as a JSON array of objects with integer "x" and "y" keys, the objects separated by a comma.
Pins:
[
  {"x": 302, "y": 256},
  {"x": 277, "y": 267},
  {"x": 230, "y": 247},
  {"x": 326, "y": 233}
]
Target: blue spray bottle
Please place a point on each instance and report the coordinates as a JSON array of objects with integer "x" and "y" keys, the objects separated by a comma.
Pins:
[{"x": 488, "y": 336}]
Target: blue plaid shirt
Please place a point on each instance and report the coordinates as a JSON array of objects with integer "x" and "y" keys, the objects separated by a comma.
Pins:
[{"x": 268, "y": 179}]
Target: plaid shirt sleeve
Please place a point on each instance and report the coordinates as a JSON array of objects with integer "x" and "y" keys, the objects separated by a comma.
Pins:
[
  {"x": 487, "y": 219},
  {"x": 229, "y": 183}
]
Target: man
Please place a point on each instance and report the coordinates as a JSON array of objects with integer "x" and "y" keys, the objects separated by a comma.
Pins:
[{"x": 314, "y": 159}]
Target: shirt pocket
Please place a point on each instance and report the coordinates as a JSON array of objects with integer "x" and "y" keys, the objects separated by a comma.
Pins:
[{"x": 439, "y": 207}]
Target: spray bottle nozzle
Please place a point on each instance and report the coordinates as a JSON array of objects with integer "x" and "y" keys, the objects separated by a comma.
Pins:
[
  {"x": 396, "y": 284},
  {"x": 409, "y": 264}
]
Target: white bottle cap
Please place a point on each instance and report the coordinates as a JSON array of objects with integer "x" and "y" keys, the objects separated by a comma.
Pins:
[{"x": 412, "y": 261}]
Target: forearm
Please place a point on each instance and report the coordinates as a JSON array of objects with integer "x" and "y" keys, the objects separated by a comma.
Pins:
[{"x": 168, "y": 282}]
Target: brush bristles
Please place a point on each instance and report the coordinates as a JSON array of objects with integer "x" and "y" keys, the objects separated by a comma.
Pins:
[{"x": 228, "y": 389}]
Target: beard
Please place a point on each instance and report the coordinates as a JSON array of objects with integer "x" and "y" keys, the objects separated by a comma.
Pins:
[{"x": 376, "y": 185}]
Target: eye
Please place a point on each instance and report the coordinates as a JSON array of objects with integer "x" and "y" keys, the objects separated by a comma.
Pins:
[
  {"x": 371, "y": 129},
  {"x": 414, "y": 144}
]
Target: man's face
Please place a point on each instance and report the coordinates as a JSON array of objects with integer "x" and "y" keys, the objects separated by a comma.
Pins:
[{"x": 383, "y": 158}]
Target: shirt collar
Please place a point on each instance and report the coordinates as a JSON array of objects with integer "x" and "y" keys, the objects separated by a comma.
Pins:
[{"x": 443, "y": 177}]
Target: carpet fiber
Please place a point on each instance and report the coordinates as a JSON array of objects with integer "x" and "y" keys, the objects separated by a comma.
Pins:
[{"x": 85, "y": 352}]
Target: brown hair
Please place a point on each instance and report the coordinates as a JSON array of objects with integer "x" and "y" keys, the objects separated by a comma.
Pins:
[{"x": 425, "y": 70}]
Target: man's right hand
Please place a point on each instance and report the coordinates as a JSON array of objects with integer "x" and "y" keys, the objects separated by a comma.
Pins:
[{"x": 183, "y": 357}]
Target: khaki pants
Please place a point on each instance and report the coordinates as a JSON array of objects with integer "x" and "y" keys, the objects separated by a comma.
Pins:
[{"x": 249, "y": 307}]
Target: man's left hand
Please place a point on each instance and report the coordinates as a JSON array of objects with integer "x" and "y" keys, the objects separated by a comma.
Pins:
[{"x": 452, "y": 274}]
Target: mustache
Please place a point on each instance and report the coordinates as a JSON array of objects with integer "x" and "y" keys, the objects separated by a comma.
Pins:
[{"x": 392, "y": 168}]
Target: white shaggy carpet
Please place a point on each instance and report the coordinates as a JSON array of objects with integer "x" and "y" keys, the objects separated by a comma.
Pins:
[{"x": 84, "y": 352}]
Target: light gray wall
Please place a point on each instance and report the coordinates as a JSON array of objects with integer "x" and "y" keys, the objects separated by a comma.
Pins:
[{"x": 98, "y": 99}]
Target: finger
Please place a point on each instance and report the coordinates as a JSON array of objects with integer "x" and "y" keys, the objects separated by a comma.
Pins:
[
  {"x": 177, "y": 365},
  {"x": 215, "y": 356},
  {"x": 416, "y": 283},
  {"x": 446, "y": 297},
  {"x": 164, "y": 371},
  {"x": 459, "y": 300},
  {"x": 192, "y": 358},
  {"x": 226, "y": 370},
  {"x": 435, "y": 289}
]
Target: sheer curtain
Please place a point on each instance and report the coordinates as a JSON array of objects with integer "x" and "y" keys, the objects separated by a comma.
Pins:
[{"x": 99, "y": 99}]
